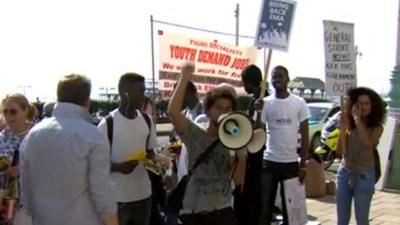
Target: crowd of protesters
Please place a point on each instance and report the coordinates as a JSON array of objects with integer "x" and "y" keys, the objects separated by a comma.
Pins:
[{"x": 63, "y": 170}]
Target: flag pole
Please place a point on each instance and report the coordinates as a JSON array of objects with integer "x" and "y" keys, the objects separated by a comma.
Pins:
[
  {"x": 266, "y": 69},
  {"x": 152, "y": 57}
]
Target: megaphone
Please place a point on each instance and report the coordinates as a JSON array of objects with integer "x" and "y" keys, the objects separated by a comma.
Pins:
[{"x": 235, "y": 131}]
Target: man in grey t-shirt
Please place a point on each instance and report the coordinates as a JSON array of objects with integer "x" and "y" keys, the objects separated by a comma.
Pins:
[{"x": 208, "y": 193}]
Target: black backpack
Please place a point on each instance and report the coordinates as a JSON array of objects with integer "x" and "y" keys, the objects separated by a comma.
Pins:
[
  {"x": 110, "y": 128},
  {"x": 156, "y": 180}
]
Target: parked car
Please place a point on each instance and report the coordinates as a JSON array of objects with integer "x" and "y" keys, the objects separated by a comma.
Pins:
[{"x": 319, "y": 115}]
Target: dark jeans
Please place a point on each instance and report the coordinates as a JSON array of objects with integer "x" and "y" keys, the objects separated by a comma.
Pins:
[
  {"x": 134, "y": 213},
  {"x": 155, "y": 215},
  {"x": 217, "y": 217},
  {"x": 247, "y": 203},
  {"x": 274, "y": 173}
]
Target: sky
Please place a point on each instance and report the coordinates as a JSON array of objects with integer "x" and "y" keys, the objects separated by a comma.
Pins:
[{"x": 42, "y": 40}]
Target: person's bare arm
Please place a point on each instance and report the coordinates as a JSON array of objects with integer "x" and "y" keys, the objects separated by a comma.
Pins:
[
  {"x": 178, "y": 120},
  {"x": 125, "y": 167},
  {"x": 304, "y": 142},
  {"x": 109, "y": 219},
  {"x": 304, "y": 149},
  {"x": 370, "y": 139},
  {"x": 342, "y": 139}
]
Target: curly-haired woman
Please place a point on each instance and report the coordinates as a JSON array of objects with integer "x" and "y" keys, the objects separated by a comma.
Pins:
[{"x": 361, "y": 128}]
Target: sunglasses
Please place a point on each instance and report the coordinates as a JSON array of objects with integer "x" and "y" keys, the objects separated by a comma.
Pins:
[{"x": 11, "y": 112}]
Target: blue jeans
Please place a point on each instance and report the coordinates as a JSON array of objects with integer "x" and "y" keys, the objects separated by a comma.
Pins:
[{"x": 361, "y": 187}]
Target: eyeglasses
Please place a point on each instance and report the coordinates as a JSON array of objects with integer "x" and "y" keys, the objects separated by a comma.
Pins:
[{"x": 11, "y": 112}]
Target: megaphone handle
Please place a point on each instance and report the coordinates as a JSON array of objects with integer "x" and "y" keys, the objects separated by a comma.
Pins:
[{"x": 258, "y": 123}]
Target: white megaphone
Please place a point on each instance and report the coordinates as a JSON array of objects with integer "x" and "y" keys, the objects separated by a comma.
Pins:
[{"x": 235, "y": 131}]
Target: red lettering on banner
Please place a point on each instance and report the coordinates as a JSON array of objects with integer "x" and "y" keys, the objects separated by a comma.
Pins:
[
  {"x": 213, "y": 58},
  {"x": 168, "y": 84},
  {"x": 168, "y": 66},
  {"x": 198, "y": 43},
  {"x": 215, "y": 45},
  {"x": 240, "y": 64},
  {"x": 184, "y": 53}
]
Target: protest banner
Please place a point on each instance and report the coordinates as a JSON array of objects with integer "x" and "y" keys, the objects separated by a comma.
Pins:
[
  {"x": 340, "y": 63},
  {"x": 274, "y": 24},
  {"x": 215, "y": 62},
  {"x": 274, "y": 29}
]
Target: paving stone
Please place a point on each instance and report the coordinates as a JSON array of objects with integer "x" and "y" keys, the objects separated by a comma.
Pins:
[
  {"x": 389, "y": 218},
  {"x": 385, "y": 209}
]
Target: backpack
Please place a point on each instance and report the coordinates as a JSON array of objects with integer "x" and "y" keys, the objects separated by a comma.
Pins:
[
  {"x": 110, "y": 128},
  {"x": 158, "y": 192}
]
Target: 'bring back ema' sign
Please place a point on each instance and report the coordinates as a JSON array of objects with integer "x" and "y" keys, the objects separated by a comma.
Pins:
[
  {"x": 274, "y": 24},
  {"x": 340, "y": 63}
]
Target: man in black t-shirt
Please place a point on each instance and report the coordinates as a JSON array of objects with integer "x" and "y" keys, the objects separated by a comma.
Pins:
[{"x": 247, "y": 202}]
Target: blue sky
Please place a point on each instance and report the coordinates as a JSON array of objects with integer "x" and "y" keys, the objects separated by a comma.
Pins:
[{"x": 43, "y": 40}]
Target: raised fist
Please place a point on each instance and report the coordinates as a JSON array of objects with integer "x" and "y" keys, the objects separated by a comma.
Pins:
[{"x": 188, "y": 69}]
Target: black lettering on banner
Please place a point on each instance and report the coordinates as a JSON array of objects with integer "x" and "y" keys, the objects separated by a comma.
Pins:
[{"x": 341, "y": 87}]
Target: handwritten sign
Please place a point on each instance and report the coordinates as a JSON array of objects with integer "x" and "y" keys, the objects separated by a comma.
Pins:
[{"x": 340, "y": 63}]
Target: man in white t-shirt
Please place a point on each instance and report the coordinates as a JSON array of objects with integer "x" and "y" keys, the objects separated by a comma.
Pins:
[
  {"x": 131, "y": 133},
  {"x": 283, "y": 114}
]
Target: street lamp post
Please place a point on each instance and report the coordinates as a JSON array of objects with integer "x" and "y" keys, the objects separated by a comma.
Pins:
[{"x": 24, "y": 88}]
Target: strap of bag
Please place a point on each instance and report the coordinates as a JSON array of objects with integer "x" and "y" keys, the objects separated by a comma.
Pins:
[
  {"x": 148, "y": 122},
  {"x": 203, "y": 156},
  {"x": 110, "y": 127}
]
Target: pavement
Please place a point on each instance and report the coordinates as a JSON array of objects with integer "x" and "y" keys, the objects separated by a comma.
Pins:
[{"x": 385, "y": 208}]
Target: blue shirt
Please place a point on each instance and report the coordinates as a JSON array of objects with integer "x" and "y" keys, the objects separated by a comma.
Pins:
[
  {"x": 9, "y": 143},
  {"x": 65, "y": 170}
]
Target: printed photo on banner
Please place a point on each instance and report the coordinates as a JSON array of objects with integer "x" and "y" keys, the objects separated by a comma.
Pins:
[
  {"x": 274, "y": 24},
  {"x": 216, "y": 62},
  {"x": 340, "y": 58}
]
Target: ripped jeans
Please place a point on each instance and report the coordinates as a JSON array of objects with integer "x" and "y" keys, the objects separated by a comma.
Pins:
[{"x": 358, "y": 185}]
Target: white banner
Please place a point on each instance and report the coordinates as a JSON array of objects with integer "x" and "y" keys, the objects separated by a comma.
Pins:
[
  {"x": 340, "y": 58},
  {"x": 295, "y": 199},
  {"x": 215, "y": 62}
]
